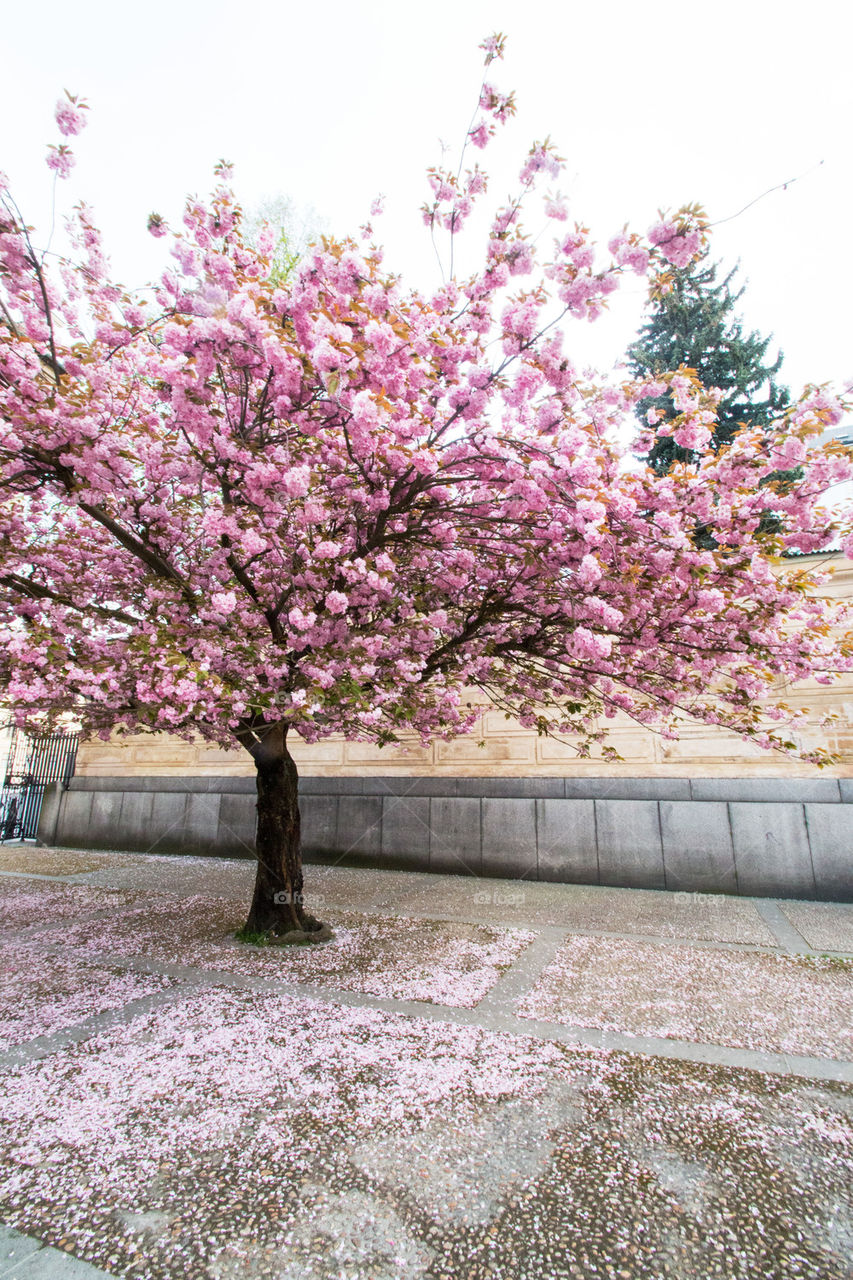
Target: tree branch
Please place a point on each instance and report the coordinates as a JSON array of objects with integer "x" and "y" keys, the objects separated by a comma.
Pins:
[{"x": 34, "y": 590}]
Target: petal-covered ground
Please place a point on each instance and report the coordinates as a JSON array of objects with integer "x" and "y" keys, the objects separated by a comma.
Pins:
[
  {"x": 527, "y": 904},
  {"x": 234, "y": 1134},
  {"x": 826, "y": 926},
  {"x": 40, "y": 994},
  {"x": 585, "y": 908},
  {"x": 222, "y": 1131},
  {"x": 451, "y": 964},
  {"x": 25, "y": 902},
  {"x": 25, "y": 859},
  {"x": 791, "y": 1004}
]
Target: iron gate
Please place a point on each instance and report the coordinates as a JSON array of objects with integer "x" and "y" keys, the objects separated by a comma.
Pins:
[{"x": 30, "y": 765}]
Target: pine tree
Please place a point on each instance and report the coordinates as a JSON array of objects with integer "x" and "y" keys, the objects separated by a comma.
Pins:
[{"x": 695, "y": 325}]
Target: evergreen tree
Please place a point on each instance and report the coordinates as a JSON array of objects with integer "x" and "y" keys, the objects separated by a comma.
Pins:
[{"x": 695, "y": 325}]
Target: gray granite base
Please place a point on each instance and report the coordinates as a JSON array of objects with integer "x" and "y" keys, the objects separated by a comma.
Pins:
[{"x": 788, "y": 839}]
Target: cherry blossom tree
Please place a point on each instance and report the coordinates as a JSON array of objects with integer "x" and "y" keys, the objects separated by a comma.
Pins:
[{"x": 236, "y": 507}]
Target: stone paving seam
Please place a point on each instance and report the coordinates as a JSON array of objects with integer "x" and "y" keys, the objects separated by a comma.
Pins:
[
  {"x": 14, "y": 1248},
  {"x": 834, "y": 1069},
  {"x": 20, "y": 933},
  {"x": 789, "y": 938},
  {"x": 801, "y": 1066},
  {"x": 43, "y": 1046},
  {"x": 33, "y": 1260},
  {"x": 523, "y": 973}
]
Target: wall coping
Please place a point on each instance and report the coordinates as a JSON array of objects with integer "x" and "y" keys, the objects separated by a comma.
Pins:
[{"x": 760, "y": 790}]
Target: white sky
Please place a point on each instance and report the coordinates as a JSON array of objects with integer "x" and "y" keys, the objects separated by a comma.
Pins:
[{"x": 652, "y": 104}]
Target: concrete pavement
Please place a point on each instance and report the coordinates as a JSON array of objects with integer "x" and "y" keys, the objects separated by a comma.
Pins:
[{"x": 476, "y": 1078}]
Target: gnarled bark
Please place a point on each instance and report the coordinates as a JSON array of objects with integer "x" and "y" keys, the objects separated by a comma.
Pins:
[{"x": 278, "y": 901}]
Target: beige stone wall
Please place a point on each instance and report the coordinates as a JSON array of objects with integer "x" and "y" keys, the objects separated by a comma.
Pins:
[{"x": 507, "y": 750}]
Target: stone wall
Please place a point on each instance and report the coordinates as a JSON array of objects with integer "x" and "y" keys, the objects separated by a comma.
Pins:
[{"x": 782, "y": 838}]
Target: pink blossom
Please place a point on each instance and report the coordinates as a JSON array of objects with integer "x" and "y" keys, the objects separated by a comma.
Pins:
[
  {"x": 301, "y": 621},
  {"x": 488, "y": 95},
  {"x": 69, "y": 116},
  {"x": 589, "y": 572},
  {"x": 61, "y": 160},
  {"x": 224, "y": 602},
  {"x": 296, "y": 481},
  {"x": 493, "y": 47},
  {"x": 692, "y": 434},
  {"x": 587, "y": 646},
  {"x": 337, "y": 602},
  {"x": 678, "y": 245},
  {"x": 539, "y": 160},
  {"x": 479, "y": 135}
]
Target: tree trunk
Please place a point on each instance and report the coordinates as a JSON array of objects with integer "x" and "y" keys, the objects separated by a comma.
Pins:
[{"x": 277, "y": 902}]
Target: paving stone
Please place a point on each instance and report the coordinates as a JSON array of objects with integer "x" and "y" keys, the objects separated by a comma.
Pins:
[
  {"x": 826, "y": 926},
  {"x": 779, "y": 1004},
  {"x": 53, "y": 1264},
  {"x": 14, "y": 1247},
  {"x": 788, "y": 938}
]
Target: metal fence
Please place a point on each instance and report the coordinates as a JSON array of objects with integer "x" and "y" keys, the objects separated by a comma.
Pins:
[{"x": 30, "y": 765}]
